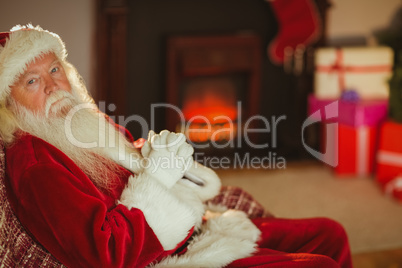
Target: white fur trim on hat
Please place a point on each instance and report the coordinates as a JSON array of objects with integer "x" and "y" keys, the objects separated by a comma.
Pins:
[{"x": 25, "y": 43}]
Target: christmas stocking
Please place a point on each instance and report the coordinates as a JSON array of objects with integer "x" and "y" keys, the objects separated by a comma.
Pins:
[{"x": 299, "y": 24}]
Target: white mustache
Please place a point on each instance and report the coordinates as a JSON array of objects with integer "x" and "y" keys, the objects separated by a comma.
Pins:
[{"x": 54, "y": 97}]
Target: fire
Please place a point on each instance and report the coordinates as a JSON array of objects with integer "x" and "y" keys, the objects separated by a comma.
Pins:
[
  {"x": 201, "y": 133},
  {"x": 209, "y": 107},
  {"x": 217, "y": 114},
  {"x": 211, "y": 123}
]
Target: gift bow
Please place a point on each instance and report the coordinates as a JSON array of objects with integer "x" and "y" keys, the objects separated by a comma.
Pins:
[
  {"x": 395, "y": 184},
  {"x": 339, "y": 67}
]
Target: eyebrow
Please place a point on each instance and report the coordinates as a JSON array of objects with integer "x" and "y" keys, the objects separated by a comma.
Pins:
[
  {"x": 27, "y": 74},
  {"x": 56, "y": 61}
]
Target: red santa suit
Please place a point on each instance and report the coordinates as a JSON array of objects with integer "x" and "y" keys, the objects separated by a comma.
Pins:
[
  {"x": 75, "y": 221},
  {"x": 84, "y": 227},
  {"x": 143, "y": 220}
]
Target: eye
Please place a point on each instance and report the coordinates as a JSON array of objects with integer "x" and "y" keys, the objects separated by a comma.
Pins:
[
  {"x": 30, "y": 82},
  {"x": 55, "y": 69}
]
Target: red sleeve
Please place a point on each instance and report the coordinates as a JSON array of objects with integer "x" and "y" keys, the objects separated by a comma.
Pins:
[{"x": 68, "y": 217}]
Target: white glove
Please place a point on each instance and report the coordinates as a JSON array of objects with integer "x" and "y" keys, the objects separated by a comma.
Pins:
[{"x": 168, "y": 156}]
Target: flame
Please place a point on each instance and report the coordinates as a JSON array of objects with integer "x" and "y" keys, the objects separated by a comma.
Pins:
[
  {"x": 210, "y": 109},
  {"x": 201, "y": 133}
]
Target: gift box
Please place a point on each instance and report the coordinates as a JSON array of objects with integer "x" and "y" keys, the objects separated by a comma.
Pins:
[
  {"x": 352, "y": 113},
  {"x": 366, "y": 70},
  {"x": 393, "y": 188},
  {"x": 315, "y": 104},
  {"x": 356, "y": 150},
  {"x": 389, "y": 155}
]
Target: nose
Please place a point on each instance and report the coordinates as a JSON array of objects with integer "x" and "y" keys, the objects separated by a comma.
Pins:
[{"x": 50, "y": 85}]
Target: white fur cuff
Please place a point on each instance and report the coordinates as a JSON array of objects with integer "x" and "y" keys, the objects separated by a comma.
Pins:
[
  {"x": 209, "y": 180},
  {"x": 169, "y": 218}
]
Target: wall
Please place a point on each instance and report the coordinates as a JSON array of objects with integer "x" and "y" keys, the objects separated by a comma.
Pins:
[
  {"x": 73, "y": 20},
  {"x": 359, "y": 18}
]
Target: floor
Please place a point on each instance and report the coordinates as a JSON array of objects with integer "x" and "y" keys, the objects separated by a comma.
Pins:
[
  {"x": 373, "y": 221},
  {"x": 381, "y": 259}
]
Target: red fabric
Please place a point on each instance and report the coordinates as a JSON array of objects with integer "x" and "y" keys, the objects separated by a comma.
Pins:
[
  {"x": 82, "y": 227},
  {"x": 317, "y": 242},
  {"x": 69, "y": 216},
  {"x": 17, "y": 248}
]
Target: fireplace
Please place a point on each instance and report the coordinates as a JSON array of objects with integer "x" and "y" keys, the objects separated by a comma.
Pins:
[
  {"x": 212, "y": 80},
  {"x": 131, "y": 64},
  {"x": 209, "y": 109}
]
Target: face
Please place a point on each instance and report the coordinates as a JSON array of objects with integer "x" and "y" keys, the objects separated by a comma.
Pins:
[{"x": 39, "y": 82}]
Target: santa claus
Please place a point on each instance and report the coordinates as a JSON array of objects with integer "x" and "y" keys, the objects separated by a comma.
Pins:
[{"x": 84, "y": 192}]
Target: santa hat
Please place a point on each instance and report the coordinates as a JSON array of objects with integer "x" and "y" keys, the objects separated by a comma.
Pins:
[{"x": 20, "y": 47}]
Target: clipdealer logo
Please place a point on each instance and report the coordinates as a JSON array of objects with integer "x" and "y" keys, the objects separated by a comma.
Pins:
[
  {"x": 330, "y": 111},
  {"x": 327, "y": 115}
]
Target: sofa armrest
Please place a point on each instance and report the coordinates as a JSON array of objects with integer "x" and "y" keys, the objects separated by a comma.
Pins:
[{"x": 236, "y": 198}]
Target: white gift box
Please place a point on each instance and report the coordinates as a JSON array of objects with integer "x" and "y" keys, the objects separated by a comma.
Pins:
[{"x": 363, "y": 69}]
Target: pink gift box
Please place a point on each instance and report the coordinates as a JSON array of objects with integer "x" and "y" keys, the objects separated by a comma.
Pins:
[{"x": 359, "y": 113}]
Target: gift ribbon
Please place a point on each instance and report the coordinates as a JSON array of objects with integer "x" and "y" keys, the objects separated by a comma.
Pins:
[
  {"x": 395, "y": 184},
  {"x": 390, "y": 158},
  {"x": 341, "y": 69},
  {"x": 395, "y": 159},
  {"x": 362, "y": 154}
]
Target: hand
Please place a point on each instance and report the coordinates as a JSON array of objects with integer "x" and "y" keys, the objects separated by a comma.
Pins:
[
  {"x": 168, "y": 156},
  {"x": 232, "y": 223}
]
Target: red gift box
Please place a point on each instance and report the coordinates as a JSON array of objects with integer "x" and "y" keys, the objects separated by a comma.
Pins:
[
  {"x": 393, "y": 188},
  {"x": 389, "y": 155},
  {"x": 356, "y": 150}
]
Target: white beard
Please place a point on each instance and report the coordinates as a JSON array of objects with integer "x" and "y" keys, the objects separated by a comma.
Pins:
[{"x": 68, "y": 131}]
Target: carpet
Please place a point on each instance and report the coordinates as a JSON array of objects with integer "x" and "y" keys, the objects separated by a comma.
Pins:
[{"x": 309, "y": 189}]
